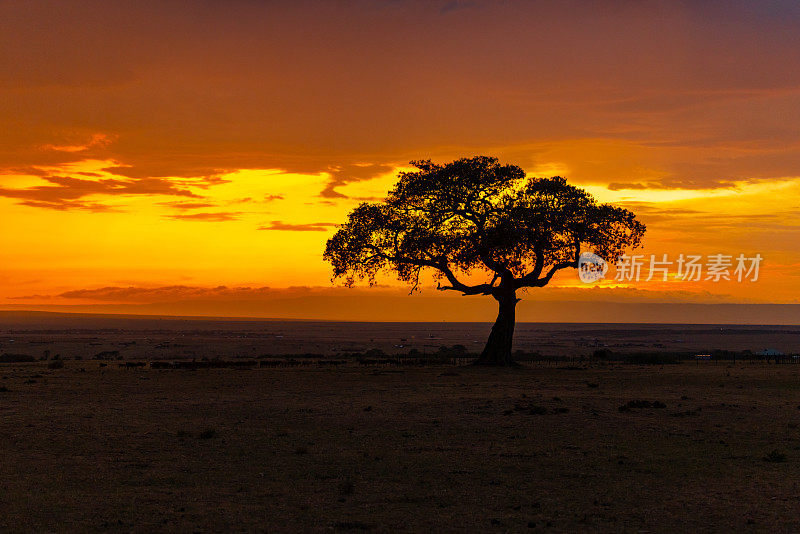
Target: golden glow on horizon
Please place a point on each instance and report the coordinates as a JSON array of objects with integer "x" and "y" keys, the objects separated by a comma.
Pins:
[{"x": 210, "y": 234}]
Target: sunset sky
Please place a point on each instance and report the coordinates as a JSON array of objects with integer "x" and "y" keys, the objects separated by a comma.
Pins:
[{"x": 203, "y": 152}]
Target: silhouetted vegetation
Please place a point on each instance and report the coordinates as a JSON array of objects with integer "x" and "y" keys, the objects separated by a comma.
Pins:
[
  {"x": 16, "y": 358},
  {"x": 208, "y": 433},
  {"x": 603, "y": 354},
  {"x": 638, "y": 404},
  {"x": 775, "y": 456},
  {"x": 476, "y": 216}
]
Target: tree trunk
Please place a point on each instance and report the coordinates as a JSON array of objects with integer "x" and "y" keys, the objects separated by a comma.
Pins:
[{"x": 498, "y": 347}]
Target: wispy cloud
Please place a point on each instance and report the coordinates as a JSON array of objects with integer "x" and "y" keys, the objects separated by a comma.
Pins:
[
  {"x": 220, "y": 216},
  {"x": 342, "y": 175},
  {"x": 96, "y": 140},
  {"x": 180, "y": 205},
  {"x": 308, "y": 227},
  {"x": 66, "y": 192},
  {"x": 65, "y": 205}
]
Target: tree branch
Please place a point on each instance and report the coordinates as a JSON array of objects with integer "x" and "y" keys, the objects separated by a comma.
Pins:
[
  {"x": 532, "y": 279},
  {"x": 443, "y": 267}
]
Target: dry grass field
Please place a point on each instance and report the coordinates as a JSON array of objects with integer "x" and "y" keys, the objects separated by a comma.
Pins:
[{"x": 384, "y": 449}]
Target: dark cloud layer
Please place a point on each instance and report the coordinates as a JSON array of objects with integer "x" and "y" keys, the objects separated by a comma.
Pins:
[
  {"x": 66, "y": 192},
  {"x": 194, "y": 91}
]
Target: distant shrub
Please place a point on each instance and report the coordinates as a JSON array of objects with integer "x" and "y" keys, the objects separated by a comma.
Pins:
[
  {"x": 208, "y": 434},
  {"x": 603, "y": 354},
  {"x": 16, "y": 358},
  {"x": 775, "y": 456},
  {"x": 346, "y": 487},
  {"x": 55, "y": 364},
  {"x": 374, "y": 353},
  {"x": 635, "y": 404},
  {"x": 352, "y": 525}
]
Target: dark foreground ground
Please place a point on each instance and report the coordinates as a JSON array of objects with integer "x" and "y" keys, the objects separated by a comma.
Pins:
[{"x": 384, "y": 449}]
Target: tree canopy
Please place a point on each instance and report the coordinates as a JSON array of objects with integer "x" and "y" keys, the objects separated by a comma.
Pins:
[{"x": 475, "y": 215}]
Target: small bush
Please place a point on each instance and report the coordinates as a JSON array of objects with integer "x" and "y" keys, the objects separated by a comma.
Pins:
[
  {"x": 530, "y": 409},
  {"x": 603, "y": 354},
  {"x": 16, "y": 358},
  {"x": 352, "y": 525},
  {"x": 55, "y": 364},
  {"x": 346, "y": 487},
  {"x": 455, "y": 350},
  {"x": 208, "y": 434},
  {"x": 775, "y": 456},
  {"x": 635, "y": 404}
]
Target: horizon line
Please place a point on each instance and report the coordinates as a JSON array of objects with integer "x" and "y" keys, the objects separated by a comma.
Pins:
[{"x": 166, "y": 317}]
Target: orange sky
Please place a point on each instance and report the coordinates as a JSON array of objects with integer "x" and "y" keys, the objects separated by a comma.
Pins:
[{"x": 155, "y": 151}]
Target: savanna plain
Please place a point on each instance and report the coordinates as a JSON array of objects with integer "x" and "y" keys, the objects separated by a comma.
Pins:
[{"x": 558, "y": 446}]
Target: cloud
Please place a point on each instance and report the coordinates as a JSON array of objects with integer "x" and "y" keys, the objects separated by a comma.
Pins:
[
  {"x": 164, "y": 293},
  {"x": 686, "y": 184},
  {"x": 180, "y": 205},
  {"x": 97, "y": 139},
  {"x": 456, "y": 5},
  {"x": 65, "y": 205},
  {"x": 629, "y": 74},
  {"x": 309, "y": 227},
  {"x": 173, "y": 293},
  {"x": 342, "y": 175},
  {"x": 220, "y": 216},
  {"x": 272, "y": 198},
  {"x": 65, "y": 192},
  {"x": 185, "y": 292}
]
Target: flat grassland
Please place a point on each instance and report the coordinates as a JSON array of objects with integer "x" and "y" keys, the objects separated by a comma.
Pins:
[{"x": 354, "y": 448}]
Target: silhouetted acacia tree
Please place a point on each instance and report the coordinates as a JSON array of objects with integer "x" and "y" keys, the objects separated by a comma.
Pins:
[{"x": 475, "y": 217}]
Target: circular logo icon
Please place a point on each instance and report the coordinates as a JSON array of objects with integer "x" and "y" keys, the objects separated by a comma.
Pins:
[{"x": 591, "y": 267}]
